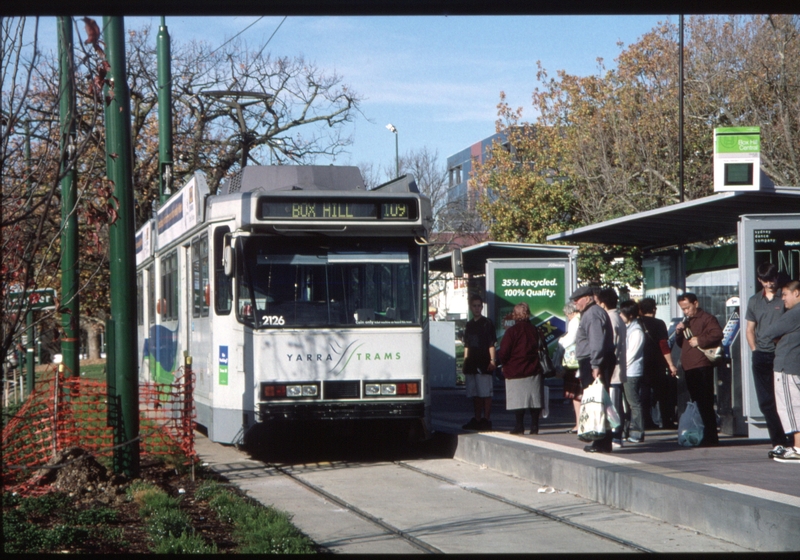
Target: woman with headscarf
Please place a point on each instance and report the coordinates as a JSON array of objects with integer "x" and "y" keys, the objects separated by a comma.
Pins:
[{"x": 524, "y": 380}]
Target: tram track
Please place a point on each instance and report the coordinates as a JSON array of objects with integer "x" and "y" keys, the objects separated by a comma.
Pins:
[
  {"x": 422, "y": 546},
  {"x": 529, "y": 509},
  {"x": 391, "y": 529}
]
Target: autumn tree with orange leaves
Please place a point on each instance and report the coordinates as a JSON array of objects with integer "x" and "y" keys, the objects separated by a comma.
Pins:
[{"x": 606, "y": 145}]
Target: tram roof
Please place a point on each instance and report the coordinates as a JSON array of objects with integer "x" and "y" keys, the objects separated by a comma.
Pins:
[
  {"x": 692, "y": 221},
  {"x": 474, "y": 258}
]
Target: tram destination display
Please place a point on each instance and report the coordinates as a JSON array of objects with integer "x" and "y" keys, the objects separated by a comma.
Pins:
[{"x": 333, "y": 209}]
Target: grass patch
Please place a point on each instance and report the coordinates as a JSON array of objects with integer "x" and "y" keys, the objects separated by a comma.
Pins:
[
  {"x": 23, "y": 531},
  {"x": 256, "y": 529}
]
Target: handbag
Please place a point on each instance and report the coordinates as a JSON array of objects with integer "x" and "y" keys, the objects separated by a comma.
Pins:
[
  {"x": 690, "y": 426},
  {"x": 592, "y": 421},
  {"x": 713, "y": 354},
  {"x": 546, "y": 363},
  {"x": 570, "y": 360}
]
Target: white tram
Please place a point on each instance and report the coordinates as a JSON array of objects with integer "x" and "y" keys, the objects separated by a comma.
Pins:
[{"x": 298, "y": 294}]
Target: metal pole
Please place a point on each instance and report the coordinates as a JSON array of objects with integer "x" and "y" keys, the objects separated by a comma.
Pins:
[
  {"x": 397, "y": 152},
  {"x": 70, "y": 317},
  {"x": 680, "y": 106},
  {"x": 166, "y": 171},
  {"x": 30, "y": 378},
  {"x": 122, "y": 260},
  {"x": 30, "y": 362}
]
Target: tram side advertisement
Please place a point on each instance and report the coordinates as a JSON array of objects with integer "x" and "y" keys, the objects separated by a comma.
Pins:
[{"x": 543, "y": 289}]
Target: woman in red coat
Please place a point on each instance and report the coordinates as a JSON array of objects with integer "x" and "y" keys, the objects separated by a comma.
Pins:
[{"x": 524, "y": 381}]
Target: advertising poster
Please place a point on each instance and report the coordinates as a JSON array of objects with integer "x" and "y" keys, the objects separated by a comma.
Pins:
[{"x": 544, "y": 289}]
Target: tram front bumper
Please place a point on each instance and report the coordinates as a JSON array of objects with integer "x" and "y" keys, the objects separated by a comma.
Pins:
[{"x": 340, "y": 411}]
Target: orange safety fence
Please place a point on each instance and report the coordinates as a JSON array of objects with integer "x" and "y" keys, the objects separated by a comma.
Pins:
[{"x": 72, "y": 412}]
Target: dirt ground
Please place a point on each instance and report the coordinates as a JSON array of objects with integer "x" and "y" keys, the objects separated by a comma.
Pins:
[{"x": 90, "y": 485}]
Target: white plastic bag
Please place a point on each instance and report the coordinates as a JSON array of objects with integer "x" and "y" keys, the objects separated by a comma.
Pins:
[
  {"x": 611, "y": 413},
  {"x": 592, "y": 421},
  {"x": 690, "y": 426}
]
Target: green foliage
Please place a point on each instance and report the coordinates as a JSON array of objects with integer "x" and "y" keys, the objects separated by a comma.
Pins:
[
  {"x": 183, "y": 544},
  {"x": 162, "y": 523},
  {"x": 606, "y": 145},
  {"x": 257, "y": 530},
  {"x": 45, "y": 506},
  {"x": 96, "y": 516},
  {"x": 22, "y": 534},
  {"x": 154, "y": 501}
]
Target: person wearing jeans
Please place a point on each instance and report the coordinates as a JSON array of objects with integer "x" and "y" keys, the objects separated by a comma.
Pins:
[
  {"x": 763, "y": 310},
  {"x": 634, "y": 354}
]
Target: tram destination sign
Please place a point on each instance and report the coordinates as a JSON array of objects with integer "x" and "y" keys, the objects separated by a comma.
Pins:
[{"x": 336, "y": 209}]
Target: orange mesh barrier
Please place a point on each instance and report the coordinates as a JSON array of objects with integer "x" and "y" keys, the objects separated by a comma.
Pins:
[{"x": 72, "y": 412}]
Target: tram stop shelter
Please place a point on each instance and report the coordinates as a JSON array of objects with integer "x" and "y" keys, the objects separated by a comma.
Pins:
[
  {"x": 543, "y": 276},
  {"x": 690, "y": 246}
]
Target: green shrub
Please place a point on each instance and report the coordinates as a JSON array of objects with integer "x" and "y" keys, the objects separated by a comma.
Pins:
[
  {"x": 96, "y": 516},
  {"x": 184, "y": 544},
  {"x": 164, "y": 523},
  {"x": 46, "y": 506}
]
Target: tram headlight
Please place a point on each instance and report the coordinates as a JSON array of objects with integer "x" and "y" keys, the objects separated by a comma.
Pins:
[
  {"x": 294, "y": 390},
  {"x": 310, "y": 390},
  {"x": 388, "y": 389},
  {"x": 395, "y": 389}
]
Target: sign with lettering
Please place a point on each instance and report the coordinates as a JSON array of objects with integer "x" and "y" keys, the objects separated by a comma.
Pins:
[
  {"x": 737, "y": 158},
  {"x": 543, "y": 288}
]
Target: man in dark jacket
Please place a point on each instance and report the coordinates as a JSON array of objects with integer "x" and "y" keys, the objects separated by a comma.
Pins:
[
  {"x": 699, "y": 330},
  {"x": 594, "y": 349}
]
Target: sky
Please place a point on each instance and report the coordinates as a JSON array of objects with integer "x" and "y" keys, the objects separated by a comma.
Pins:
[{"x": 437, "y": 79}]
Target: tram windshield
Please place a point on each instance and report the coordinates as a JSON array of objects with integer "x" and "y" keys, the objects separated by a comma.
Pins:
[{"x": 329, "y": 282}]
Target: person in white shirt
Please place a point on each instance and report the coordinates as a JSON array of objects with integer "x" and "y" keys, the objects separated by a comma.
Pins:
[
  {"x": 572, "y": 380},
  {"x": 634, "y": 353}
]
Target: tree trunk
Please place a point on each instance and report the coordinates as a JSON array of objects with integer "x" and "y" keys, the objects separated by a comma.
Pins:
[{"x": 92, "y": 339}]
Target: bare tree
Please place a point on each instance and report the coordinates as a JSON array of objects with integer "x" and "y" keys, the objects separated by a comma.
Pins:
[{"x": 296, "y": 114}]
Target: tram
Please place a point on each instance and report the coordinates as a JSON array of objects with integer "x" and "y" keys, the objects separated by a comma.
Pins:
[{"x": 298, "y": 294}]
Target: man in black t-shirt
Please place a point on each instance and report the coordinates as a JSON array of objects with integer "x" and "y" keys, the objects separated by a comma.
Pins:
[
  {"x": 479, "y": 363},
  {"x": 659, "y": 370}
]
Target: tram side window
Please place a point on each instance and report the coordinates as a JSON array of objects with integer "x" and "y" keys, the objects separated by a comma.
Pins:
[
  {"x": 199, "y": 276},
  {"x": 140, "y": 298},
  {"x": 223, "y": 285},
  {"x": 151, "y": 292},
  {"x": 169, "y": 286}
]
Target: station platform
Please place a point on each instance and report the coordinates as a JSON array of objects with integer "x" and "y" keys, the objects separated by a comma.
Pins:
[{"x": 732, "y": 492}]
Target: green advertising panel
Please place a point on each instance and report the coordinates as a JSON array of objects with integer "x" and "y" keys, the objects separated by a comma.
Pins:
[{"x": 544, "y": 289}]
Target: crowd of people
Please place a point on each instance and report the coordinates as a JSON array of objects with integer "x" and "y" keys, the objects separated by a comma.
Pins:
[{"x": 627, "y": 348}]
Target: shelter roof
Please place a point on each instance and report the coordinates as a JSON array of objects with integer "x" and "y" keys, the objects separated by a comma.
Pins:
[
  {"x": 692, "y": 221},
  {"x": 474, "y": 258}
]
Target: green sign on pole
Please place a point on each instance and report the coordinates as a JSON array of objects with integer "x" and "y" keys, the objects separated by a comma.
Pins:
[{"x": 37, "y": 299}]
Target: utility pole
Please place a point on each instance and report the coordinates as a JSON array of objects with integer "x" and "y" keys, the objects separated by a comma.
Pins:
[
  {"x": 30, "y": 367},
  {"x": 119, "y": 162},
  {"x": 165, "y": 167},
  {"x": 70, "y": 315}
]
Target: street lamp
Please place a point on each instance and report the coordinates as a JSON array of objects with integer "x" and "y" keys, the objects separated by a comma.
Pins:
[{"x": 393, "y": 130}]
